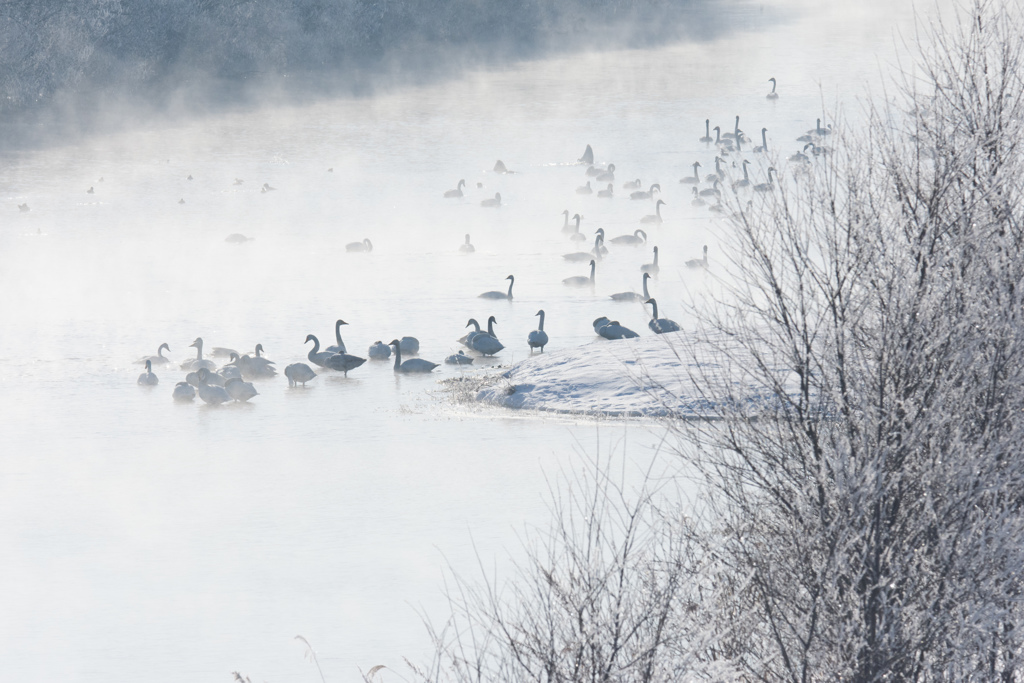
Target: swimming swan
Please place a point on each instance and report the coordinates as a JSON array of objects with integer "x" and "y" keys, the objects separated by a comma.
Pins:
[
  {"x": 649, "y": 194},
  {"x": 580, "y": 256},
  {"x": 656, "y": 216},
  {"x": 459, "y": 358},
  {"x": 633, "y": 296},
  {"x": 588, "y": 156},
  {"x": 608, "y": 176},
  {"x": 183, "y": 391},
  {"x": 766, "y": 187},
  {"x": 457, "y": 192},
  {"x": 576, "y": 235},
  {"x": 501, "y": 295},
  {"x": 693, "y": 179},
  {"x": 240, "y": 390},
  {"x": 158, "y": 359},
  {"x": 364, "y": 246},
  {"x": 379, "y": 351},
  {"x": 585, "y": 189},
  {"x": 745, "y": 180},
  {"x": 697, "y": 201},
  {"x": 340, "y": 346},
  {"x": 466, "y": 338},
  {"x": 763, "y": 148},
  {"x": 633, "y": 185},
  {"x": 699, "y": 262},
  {"x": 342, "y": 362},
  {"x": 198, "y": 362},
  {"x": 298, "y": 373},
  {"x": 148, "y": 379},
  {"x": 707, "y": 132},
  {"x": 538, "y": 338},
  {"x": 411, "y": 365},
  {"x": 661, "y": 325},
  {"x": 651, "y": 268},
  {"x": 636, "y": 239},
  {"x": 467, "y": 248},
  {"x": 772, "y": 95},
  {"x": 607, "y": 193},
  {"x": 492, "y": 203},
  {"x": 579, "y": 280},
  {"x": 212, "y": 395}
]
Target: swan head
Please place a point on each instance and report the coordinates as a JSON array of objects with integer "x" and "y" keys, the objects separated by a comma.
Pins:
[
  {"x": 611, "y": 168},
  {"x": 203, "y": 375},
  {"x": 651, "y": 301},
  {"x": 540, "y": 312},
  {"x": 511, "y": 277},
  {"x": 599, "y": 231},
  {"x": 576, "y": 217},
  {"x": 149, "y": 366},
  {"x": 705, "y": 248},
  {"x": 492, "y": 320},
  {"x": 746, "y": 161},
  {"x": 310, "y": 338},
  {"x": 655, "y": 251},
  {"x": 472, "y": 321},
  {"x": 662, "y": 202},
  {"x": 593, "y": 263},
  {"x": 654, "y": 187},
  {"x": 763, "y": 131},
  {"x": 394, "y": 342},
  {"x": 467, "y": 239},
  {"x": 497, "y": 196},
  {"x": 163, "y": 346},
  {"x": 771, "y": 80},
  {"x": 647, "y": 276},
  {"x": 696, "y": 164},
  {"x": 640, "y": 232},
  {"x": 695, "y": 193},
  {"x": 259, "y": 349},
  {"x": 566, "y": 213},
  {"x": 197, "y": 343}
]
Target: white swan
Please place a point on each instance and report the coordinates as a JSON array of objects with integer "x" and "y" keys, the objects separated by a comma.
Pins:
[
  {"x": 772, "y": 95},
  {"x": 212, "y": 395},
  {"x": 466, "y": 338},
  {"x": 492, "y": 203},
  {"x": 800, "y": 157},
  {"x": 613, "y": 330},
  {"x": 486, "y": 344},
  {"x": 148, "y": 379},
  {"x": 576, "y": 235},
  {"x": 651, "y": 268},
  {"x": 745, "y": 180},
  {"x": 409, "y": 345},
  {"x": 697, "y": 201},
  {"x": 699, "y": 262},
  {"x": 499, "y": 167},
  {"x": 588, "y": 156},
  {"x": 339, "y": 347},
  {"x": 341, "y": 362},
  {"x": 632, "y": 185},
  {"x": 649, "y": 194},
  {"x": 457, "y": 192},
  {"x": 656, "y": 216},
  {"x": 580, "y": 256},
  {"x": 707, "y": 132},
  {"x": 467, "y": 248},
  {"x": 411, "y": 365},
  {"x": 585, "y": 189},
  {"x": 183, "y": 391},
  {"x": 565, "y": 221},
  {"x": 763, "y": 147},
  {"x": 223, "y": 352},
  {"x": 661, "y": 325},
  {"x": 196, "y": 363},
  {"x": 608, "y": 176},
  {"x": 719, "y": 174},
  {"x": 579, "y": 280},
  {"x": 766, "y": 187},
  {"x": 633, "y": 296},
  {"x": 732, "y": 136},
  {"x": 240, "y": 390},
  {"x": 379, "y": 351},
  {"x": 538, "y": 338},
  {"x": 724, "y": 142},
  {"x": 600, "y": 322},
  {"x": 365, "y": 245},
  {"x": 298, "y": 373},
  {"x": 158, "y": 359},
  {"x": 459, "y": 358},
  {"x": 636, "y": 239},
  {"x": 693, "y": 179},
  {"x": 501, "y": 295},
  {"x": 607, "y": 193},
  {"x": 712, "y": 191}
]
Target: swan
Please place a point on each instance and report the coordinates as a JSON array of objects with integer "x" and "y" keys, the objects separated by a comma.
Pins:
[
  {"x": 466, "y": 338},
  {"x": 693, "y": 179},
  {"x": 256, "y": 368},
  {"x": 636, "y": 239},
  {"x": 198, "y": 362},
  {"x": 711, "y": 191},
  {"x": 600, "y": 322},
  {"x": 342, "y": 362},
  {"x": 183, "y": 391},
  {"x": 158, "y": 359},
  {"x": 340, "y": 346},
  {"x": 299, "y": 373},
  {"x": 581, "y": 281},
  {"x": 699, "y": 262},
  {"x": 735, "y": 134},
  {"x": 800, "y": 157},
  {"x": 492, "y": 203},
  {"x": 651, "y": 268},
  {"x": 316, "y": 356},
  {"x": 457, "y": 192},
  {"x": 772, "y": 95},
  {"x": 608, "y": 176},
  {"x": 467, "y": 248},
  {"x": 259, "y": 351},
  {"x": 240, "y": 390},
  {"x": 268, "y": 188},
  {"x": 724, "y": 142},
  {"x": 411, "y": 365},
  {"x": 633, "y": 185},
  {"x": 232, "y": 369},
  {"x": 565, "y": 221},
  {"x": 766, "y": 187},
  {"x": 148, "y": 379},
  {"x": 719, "y": 174},
  {"x": 745, "y": 180},
  {"x": 211, "y": 378},
  {"x": 697, "y": 201},
  {"x": 576, "y": 235},
  {"x": 588, "y": 156},
  {"x": 593, "y": 171},
  {"x": 633, "y": 296},
  {"x": 764, "y": 142},
  {"x": 223, "y": 352},
  {"x": 501, "y": 295},
  {"x": 661, "y": 325},
  {"x": 487, "y": 344},
  {"x": 819, "y": 131},
  {"x": 613, "y": 330},
  {"x": 365, "y": 245},
  {"x": 656, "y": 216},
  {"x": 707, "y": 132},
  {"x": 410, "y": 345},
  {"x": 586, "y": 255},
  {"x": 603, "y": 249},
  {"x": 237, "y": 238},
  {"x": 606, "y": 194},
  {"x": 459, "y": 358},
  {"x": 649, "y": 194},
  {"x": 538, "y": 338},
  {"x": 24, "y": 208},
  {"x": 585, "y": 189},
  {"x": 213, "y": 395},
  {"x": 90, "y": 190},
  {"x": 379, "y": 351},
  {"x": 499, "y": 167}
]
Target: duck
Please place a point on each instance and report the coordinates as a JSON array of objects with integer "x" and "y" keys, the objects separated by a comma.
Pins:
[
  {"x": 661, "y": 325},
  {"x": 466, "y": 338},
  {"x": 649, "y": 194},
  {"x": 298, "y": 373},
  {"x": 576, "y": 235},
  {"x": 492, "y": 203},
  {"x": 613, "y": 330},
  {"x": 340, "y": 346},
  {"x": 466, "y": 247},
  {"x": 632, "y": 185},
  {"x": 766, "y": 187},
  {"x": 745, "y": 180},
  {"x": 501, "y": 295},
  {"x": 588, "y": 156},
  {"x": 499, "y": 167},
  {"x": 651, "y": 268},
  {"x": 341, "y": 362},
  {"x": 183, "y": 392},
  {"x": 379, "y": 351},
  {"x": 707, "y": 132},
  {"x": 158, "y": 359},
  {"x": 459, "y": 358},
  {"x": 410, "y": 345},
  {"x": 196, "y": 363},
  {"x": 656, "y": 216},
  {"x": 633, "y": 296},
  {"x": 412, "y": 365},
  {"x": 240, "y": 390},
  {"x": 148, "y": 379},
  {"x": 581, "y": 281},
  {"x": 585, "y": 189},
  {"x": 538, "y": 338},
  {"x": 697, "y": 200},
  {"x": 457, "y": 192},
  {"x": 636, "y": 239},
  {"x": 607, "y": 176},
  {"x": 211, "y": 395},
  {"x": 693, "y": 179},
  {"x": 772, "y": 95},
  {"x": 364, "y": 246},
  {"x": 699, "y": 262},
  {"x": 763, "y": 147}
]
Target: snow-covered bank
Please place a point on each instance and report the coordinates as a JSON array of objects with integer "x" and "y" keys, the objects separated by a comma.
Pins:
[{"x": 648, "y": 377}]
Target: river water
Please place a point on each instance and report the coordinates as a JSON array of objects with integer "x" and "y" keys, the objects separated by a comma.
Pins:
[{"x": 148, "y": 540}]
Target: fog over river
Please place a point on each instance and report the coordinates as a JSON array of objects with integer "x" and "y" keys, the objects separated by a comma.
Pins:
[{"x": 148, "y": 540}]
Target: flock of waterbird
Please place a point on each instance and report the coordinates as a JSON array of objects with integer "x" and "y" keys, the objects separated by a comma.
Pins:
[{"x": 234, "y": 380}]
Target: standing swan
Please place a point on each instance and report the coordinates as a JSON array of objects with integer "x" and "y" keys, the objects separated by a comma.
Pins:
[
  {"x": 501, "y": 295},
  {"x": 148, "y": 379},
  {"x": 411, "y": 365},
  {"x": 538, "y": 338},
  {"x": 656, "y": 216},
  {"x": 661, "y": 325},
  {"x": 298, "y": 373},
  {"x": 158, "y": 359},
  {"x": 651, "y": 268},
  {"x": 699, "y": 262},
  {"x": 492, "y": 203},
  {"x": 467, "y": 248},
  {"x": 487, "y": 343},
  {"x": 342, "y": 362},
  {"x": 579, "y": 280},
  {"x": 772, "y": 95},
  {"x": 457, "y": 192},
  {"x": 379, "y": 351}
]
